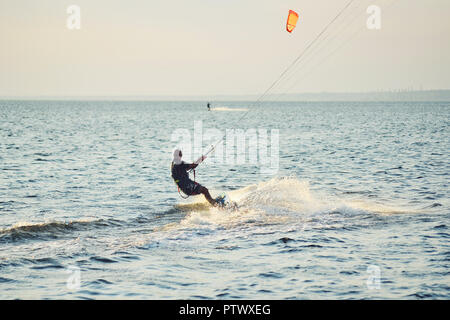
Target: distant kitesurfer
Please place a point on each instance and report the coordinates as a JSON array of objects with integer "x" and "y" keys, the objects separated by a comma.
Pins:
[
  {"x": 208, "y": 106},
  {"x": 181, "y": 177}
]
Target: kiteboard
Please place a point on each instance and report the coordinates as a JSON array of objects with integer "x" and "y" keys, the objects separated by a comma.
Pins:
[{"x": 224, "y": 202}]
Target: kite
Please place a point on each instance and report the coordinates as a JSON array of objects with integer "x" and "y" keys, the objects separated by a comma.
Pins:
[{"x": 291, "y": 21}]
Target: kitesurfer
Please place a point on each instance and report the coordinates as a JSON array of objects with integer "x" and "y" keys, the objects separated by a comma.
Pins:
[{"x": 181, "y": 177}]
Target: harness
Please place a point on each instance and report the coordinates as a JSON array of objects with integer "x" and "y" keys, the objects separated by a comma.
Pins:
[{"x": 179, "y": 190}]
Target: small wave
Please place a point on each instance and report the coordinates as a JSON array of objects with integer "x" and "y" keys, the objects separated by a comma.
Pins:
[
  {"x": 271, "y": 274},
  {"x": 42, "y": 154},
  {"x": 48, "y": 230},
  {"x": 4, "y": 280},
  {"x": 103, "y": 259},
  {"x": 50, "y": 266},
  {"x": 281, "y": 240},
  {"x": 99, "y": 282},
  {"x": 285, "y": 239},
  {"x": 434, "y": 205},
  {"x": 8, "y": 203}
]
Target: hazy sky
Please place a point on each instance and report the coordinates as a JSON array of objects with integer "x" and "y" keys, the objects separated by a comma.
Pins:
[{"x": 208, "y": 47}]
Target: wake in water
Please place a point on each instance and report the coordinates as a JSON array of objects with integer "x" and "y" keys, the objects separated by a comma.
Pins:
[
  {"x": 228, "y": 109},
  {"x": 285, "y": 200}
]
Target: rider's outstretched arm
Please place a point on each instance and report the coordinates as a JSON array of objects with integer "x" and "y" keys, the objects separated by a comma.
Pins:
[{"x": 192, "y": 165}]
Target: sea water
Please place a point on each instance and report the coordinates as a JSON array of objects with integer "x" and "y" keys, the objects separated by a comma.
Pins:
[{"x": 358, "y": 207}]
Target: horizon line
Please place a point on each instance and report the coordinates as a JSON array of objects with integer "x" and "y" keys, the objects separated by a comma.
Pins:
[{"x": 198, "y": 97}]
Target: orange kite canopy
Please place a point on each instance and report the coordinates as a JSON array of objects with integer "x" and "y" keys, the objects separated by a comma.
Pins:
[{"x": 291, "y": 21}]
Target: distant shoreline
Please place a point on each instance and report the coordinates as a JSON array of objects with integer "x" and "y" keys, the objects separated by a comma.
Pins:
[{"x": 374, "y": 96}]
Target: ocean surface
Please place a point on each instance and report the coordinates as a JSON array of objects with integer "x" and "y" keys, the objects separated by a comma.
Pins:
[{"x": 357, "y": 208}]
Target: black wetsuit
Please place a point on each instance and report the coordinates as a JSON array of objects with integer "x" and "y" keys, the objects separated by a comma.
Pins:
[{"x": 181, "y": 178}]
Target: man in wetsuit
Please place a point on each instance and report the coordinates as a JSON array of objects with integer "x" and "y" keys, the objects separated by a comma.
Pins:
[{"x": 181, "y": 177}]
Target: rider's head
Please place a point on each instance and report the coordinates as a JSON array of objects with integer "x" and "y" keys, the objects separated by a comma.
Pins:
[{"x": 177, "y": 154}]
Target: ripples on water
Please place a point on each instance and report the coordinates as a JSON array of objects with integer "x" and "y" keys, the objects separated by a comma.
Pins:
[{"x": 361, "y": 185}]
